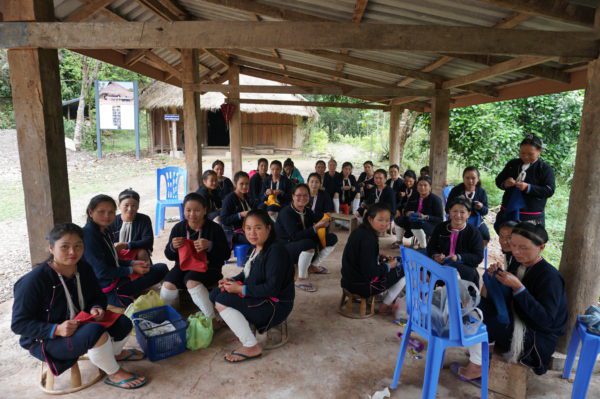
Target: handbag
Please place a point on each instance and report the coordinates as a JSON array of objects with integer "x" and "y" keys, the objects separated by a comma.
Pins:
[
  {"x": 190, "y": 259},
  {"x": 199, "y": 332}
]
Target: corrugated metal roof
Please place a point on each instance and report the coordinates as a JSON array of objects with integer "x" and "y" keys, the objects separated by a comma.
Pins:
[{"x": 414, "y": 12}]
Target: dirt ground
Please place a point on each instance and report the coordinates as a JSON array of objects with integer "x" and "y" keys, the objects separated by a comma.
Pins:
[{"x": 327, "y": 356}]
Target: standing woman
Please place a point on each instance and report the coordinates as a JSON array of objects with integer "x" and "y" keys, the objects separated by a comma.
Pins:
[
  {"x": 537, "y": 306},
  {"x": 257, "y": 181},
  {"x": 121, "y": 280},
  {"x": 364, "y": 271},
  {"x": 471, "y": 189},
  {"x": 320, "y": 203},
  {"x": 276, "y": 187},
  {"x": 407, "y": 194},
  {"x": 208, "y": 237},
  {"x": 350, "y": 191},
  {"x": 131, "y": 231},
  {"x": 47, "y": 299},
  {"x": 381, "y": 194},
  {"x": 298, "y": 228},
  {"x": 528, "y": 182},
  {"x": 235, "y": 208},
  {"x": 395, "y": 182},
  {"x": 422, "y": 213},
  {"x": 209, "y": 190},
  {"x": 262, "y": 294},
  {"x": 224, "y": 184},
  {"x": 365, "y": 180},
  {"x": 320, "y": 168},
  {"x": 457, "y": 243},
  {"x": 332, "y": 183}
]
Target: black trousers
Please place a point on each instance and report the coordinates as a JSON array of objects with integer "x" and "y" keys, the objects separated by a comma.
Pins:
[{"x": 127, "y": 291}]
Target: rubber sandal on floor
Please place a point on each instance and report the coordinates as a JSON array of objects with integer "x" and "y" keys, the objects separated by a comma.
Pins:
[
  {"x": 132, "y": 355},
  {"x": 308, "y": 287},
  {"x": 320, "y": 270},
  {"x": 454, "y": 367},
  {"x": 122, "y": 384},
  {"x": 245, "y": 358}
]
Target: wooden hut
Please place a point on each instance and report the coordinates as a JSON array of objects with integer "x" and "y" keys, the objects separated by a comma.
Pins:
[{"x": 264, "y": 126}]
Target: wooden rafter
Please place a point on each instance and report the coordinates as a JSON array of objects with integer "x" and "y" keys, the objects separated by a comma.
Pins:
[
  {"x": 315, "y": 104},
  {"x": 134, "y": 56},
  {"x": 359, "y": 11},
  {"x": 561, "y": 10},
  {"x": 279, "y": 78},
  {"x": 298, "y": 35},
  {"x": 87, "y": 10},
  {"x": 161, "y": 63},
  {"x": 332, "y": 90},
  {"x": 166, "y": 9},
  {"x": 266, "y": 10}
]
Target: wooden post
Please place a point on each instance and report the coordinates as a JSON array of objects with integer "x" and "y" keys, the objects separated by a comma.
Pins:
[
  {"x": 235, "y": 124},
  {"x": 35, "y": 83},
  {"x": 191, "y": 118},
  {"x": 439, "y": 140},
  {"x": 395, "y": 114},
  {"x": 580, "y": 249}
]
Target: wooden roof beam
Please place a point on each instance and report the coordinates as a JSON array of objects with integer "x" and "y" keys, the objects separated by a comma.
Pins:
[
  {"x": 166, "y": 9},
  {"x": 254, "y": 7},
  {"x": 135, "y": 56},
  {"x": 359, "y": 11},
  {"x": 87, "y": 10},
  {"x": 331, "y": 90},
  {"x": 560, "y": 10},
  {"x": 161, "y": 63},
  {"x": 280, "y": 78},
  {"x": 511, "y": 65},
  {"x": 298, "y": 35},
  {"x": 315, "y": 104}
]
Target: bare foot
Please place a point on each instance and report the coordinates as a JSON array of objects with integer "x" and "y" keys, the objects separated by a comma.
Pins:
[
  {"x": 470, "y": 371},
  {"x": 123, "y": 375},
  {"x": 217, "y": 324},
  {"x": 248, "y": 353}
]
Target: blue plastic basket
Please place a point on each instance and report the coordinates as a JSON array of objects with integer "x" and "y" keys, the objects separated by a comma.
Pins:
[
  {"x": 161, "y": 346},
  {"x": 241, "y": 252}
]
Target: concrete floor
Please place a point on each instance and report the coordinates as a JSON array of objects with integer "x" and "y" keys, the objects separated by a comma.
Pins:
[{"x": 327, "y": 356}]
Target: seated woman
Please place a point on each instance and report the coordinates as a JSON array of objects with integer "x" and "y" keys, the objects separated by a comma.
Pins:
[
  {"x": 472, "y": 190},
  {"x": 504, "y": 234},
  {"x": 121, "y": 280},
  {"x": 131, "y": 231},
  {"x": 407, "y": 194},
  {"x": 350, "y": 191},
  {"x": 528, "y": 182},
  {"x": 381, "y": 194},
  {"x": 320, "y": 202},
  {"x": 47, "y": 299},
  {"x": 235, "y": 208},
  {"x": 298, "y": 228},
  {"x": 224, "y": 184},
  {"x": 291, "y": 172},
  {"x": 536, "y": 302},
  {"x": 209, "y": 190},
  {"x": 257, "y": 181},
  {"x": 422, "y": 214},
  {"x": 456, "y": 243},
  {"x": 365, "y": 180},
  {"x": 364, "y": 271},
  {"x": 207, "y": 237},
  {"x": 276, "y": 191},
  {"x": 262, "y": 294}
]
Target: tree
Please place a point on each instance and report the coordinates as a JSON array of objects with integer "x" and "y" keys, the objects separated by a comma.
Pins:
[
  {"x": 87, "y": 79},
  {"x": 407, "y": 125}
]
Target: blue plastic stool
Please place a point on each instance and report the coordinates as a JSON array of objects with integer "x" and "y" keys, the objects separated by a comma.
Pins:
[
  {"x": 172, "y": 176},
  {"x": 590, "y": 348},
  {"x": 240, "y": 252},
  {"x": 422, "y": 274}
]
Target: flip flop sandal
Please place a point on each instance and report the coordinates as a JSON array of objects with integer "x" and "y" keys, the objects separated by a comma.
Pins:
[
  {"x": 132, "y": 355},
  {"x": 454, "y": 367},
  {"x": 320, "y": 270},
  {"x": 306, "y": 287},
  {"x": 395, "y": 245},
  {"x": 245, "y": 358},
  {"x": 122, "y": 384}
]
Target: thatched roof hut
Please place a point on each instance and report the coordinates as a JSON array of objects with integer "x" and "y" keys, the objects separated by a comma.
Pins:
[{"x": 275, "y": 126}]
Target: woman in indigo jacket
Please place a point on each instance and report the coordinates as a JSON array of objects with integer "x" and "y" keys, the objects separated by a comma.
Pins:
[
  {"x": 121, "y": 280},
  {"x": 235, "y": 208},
  {"x": 46, "y": 301},
  {"x": 262, "y": 294}
]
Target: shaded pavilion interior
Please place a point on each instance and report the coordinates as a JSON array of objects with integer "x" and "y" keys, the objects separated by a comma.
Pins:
[{"x": 428, "y": 56}]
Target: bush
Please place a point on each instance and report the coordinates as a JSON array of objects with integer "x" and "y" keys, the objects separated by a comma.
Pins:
[{"x": 317, "y": 141}]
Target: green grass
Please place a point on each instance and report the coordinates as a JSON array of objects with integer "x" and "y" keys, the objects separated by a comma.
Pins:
[{"x": 122, "y": 141}]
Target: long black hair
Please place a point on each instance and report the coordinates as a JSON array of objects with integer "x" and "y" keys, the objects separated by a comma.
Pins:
[
  {"x": 536, "y": 233},
  {"x": 97, "y": 200},
  {"x": 371, "y": 212},
  {"x": 61, "y": 230},
  {"x": 264, "y": 217}
]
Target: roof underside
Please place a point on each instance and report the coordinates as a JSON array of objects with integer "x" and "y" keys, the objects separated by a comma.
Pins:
[{"x": 358, "y": 68}]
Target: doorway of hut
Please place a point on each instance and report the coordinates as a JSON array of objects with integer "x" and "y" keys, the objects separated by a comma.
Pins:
[{"x": 217, "y": 130}]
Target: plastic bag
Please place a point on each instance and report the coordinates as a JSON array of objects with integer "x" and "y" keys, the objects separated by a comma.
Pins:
[
  {"x": 143, "y": 302},
  {"x": 199, "y": 332},
  {"x": 472, "y": 317},
  {"x": 190, "y": 259}
]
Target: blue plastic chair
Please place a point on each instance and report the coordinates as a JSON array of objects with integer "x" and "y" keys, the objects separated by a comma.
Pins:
[
  {"x": 445, "y": 193},
  {"x": 590, "y": 348},
  {"x": 422, "y": 274},
  {"x": 475, "y": 221},
  {"x": 172, "y": 176}
]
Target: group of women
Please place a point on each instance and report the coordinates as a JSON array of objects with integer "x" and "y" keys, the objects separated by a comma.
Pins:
[{"x": 285, "y": 223}]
